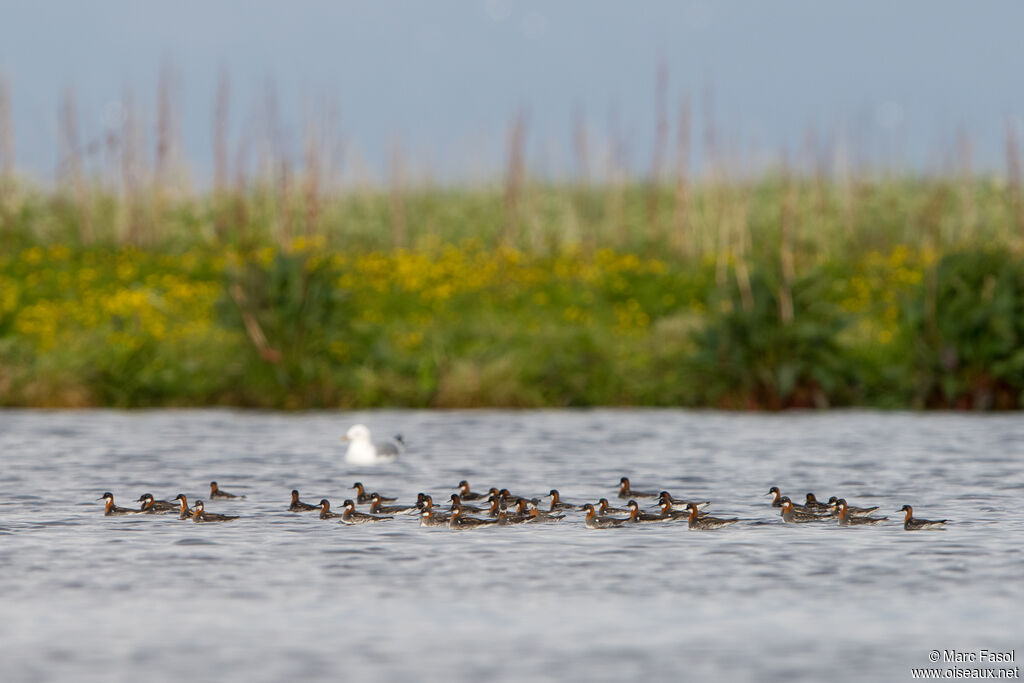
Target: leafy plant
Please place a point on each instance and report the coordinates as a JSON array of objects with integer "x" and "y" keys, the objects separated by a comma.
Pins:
[
  {"x": 748, "y": 356},
  {"x": 291, "y": 310},
  {"x": 966, "y": 326}
]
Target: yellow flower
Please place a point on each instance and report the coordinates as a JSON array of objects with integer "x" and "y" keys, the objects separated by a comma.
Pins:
[
  {"x": 32, "y": 256},
  {"x": 58, "y": 252},
  {"x": 898, "y": 256}
]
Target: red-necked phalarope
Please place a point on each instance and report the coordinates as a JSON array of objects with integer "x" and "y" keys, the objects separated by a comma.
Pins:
[
  {"x": 794, "y": 516},
  {"x": 510, "y": 498},
  {"x": 594, "y": 522},
  {"x": 506, "y": 518},
  {"x": 200, "y": 515},
  {"x": 669, "y": 513},
  {"x": 626, "y": 492},
  {"x": 215, "y": 492},
  {"x": 297, "y": 505},
  {"x": 557, "y": 504},
  {"x": 911, "y": 524},
  {"x": 466, "y": 494},
  {"x": 604, "y": 508},
  {"x": 429, "y": 517},
  {"x": 376, "y": 508},
  {"x": 697, "y": 522},
  {"x": 362, "y": 497},
  {"x": 457, "y": 502},
  {"x": 637, "y": 517},
  {"x": 812, "y": 503},
  {"x": 351, "y": 516},
  {"x": 459, "y": 521},
  {"x": 185, "y": 512},
  {"x": 533, "y": 511},
  {"x": 325, "y": 510},
  {"x": 846, "y": 519},
  {"x": 800, "y": 509},
  {"x": 151, "y": 506},
  {"x": 110, "y": 509},
  {"x": 850, "y": 509},
  {"x": 679, "y": 503}
]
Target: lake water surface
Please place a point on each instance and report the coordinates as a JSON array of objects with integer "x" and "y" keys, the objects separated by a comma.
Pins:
[{"x": 277, "y": 595}]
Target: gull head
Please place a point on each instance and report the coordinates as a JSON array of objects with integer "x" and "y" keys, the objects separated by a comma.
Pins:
[{"x": 356, "y": 434}]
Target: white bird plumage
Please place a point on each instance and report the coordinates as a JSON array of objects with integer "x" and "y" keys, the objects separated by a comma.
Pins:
[{"x": 363, "y": 451}]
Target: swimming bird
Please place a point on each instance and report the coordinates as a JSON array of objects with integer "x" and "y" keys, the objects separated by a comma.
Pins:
[
  {"x": 668, "y": 512},
  {"x": 494, "y": 506},
  {"x": 376, "y": 507},
  {"x": 427, "y": 503},
  {"x": 215, "y": 492},
  {"x": 297, "y": 505},
  {"x": 697, "y": 522},
  {"x": 846, "y": 519},
  {"x": 850, "y": 509},
  {"x": 185, "y": 511},
  {"x": 536, "y": 515},
  {"x": 362, "y": 497},
  {"x": 626, "y": 492},
  {"x": 363, "y": 451},
  {"x": 110, "y": 509},
  {"x": 814, "y": 504},
  {"x": 778, "y": 498},
  {"x": 605, "y": 508},
  {"x": 531, "y": 508},
  {"x": 150, "y": 506},
  {"x": 592, "y": 521},
  {"x": 512, "y": 514},
  {"x": 504, "y": 496},
  {"x": 527, "y": 511},
  {"x": 508, "y": 497},
  {"x": 679, "y": 503},
  {"x": 637, "y": 517},
  {"x": 430, "y": 517},
  {"x": 459, "y": 521},
  {"x": 351, "y": 516},
  {"x": 457, "y": 502},
  {"x": 466, "y": 494},
  {"x": 325, "y": 510},
  {"x": 911, "y": 524},
  {"x": 506, "y": 518},
  {"x": 794, "y": 516},
  {"x": 557, "y": 504},
  {"x": 200, "y": 515}
]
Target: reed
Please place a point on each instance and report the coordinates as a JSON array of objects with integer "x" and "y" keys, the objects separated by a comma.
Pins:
[{"x": 811, "y": 283}]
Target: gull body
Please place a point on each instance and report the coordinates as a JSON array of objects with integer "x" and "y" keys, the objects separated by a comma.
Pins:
[{"x": 363, "y": 451}]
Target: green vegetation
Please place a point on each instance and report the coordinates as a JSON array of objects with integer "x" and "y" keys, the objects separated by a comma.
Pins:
[{"x": 895, "y": 292}]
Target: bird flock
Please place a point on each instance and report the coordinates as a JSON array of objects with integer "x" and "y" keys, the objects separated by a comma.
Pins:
[{"x": 468, "y": 509}]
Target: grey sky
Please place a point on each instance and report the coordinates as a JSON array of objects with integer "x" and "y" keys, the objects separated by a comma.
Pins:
[{"x": 443, "y": 79}]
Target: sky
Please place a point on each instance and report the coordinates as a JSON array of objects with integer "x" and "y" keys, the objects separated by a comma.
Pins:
[{"x": 438, "y": 84}]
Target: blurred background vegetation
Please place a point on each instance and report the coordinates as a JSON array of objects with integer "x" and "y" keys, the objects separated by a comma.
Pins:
[{"x": 122, "y": 286}]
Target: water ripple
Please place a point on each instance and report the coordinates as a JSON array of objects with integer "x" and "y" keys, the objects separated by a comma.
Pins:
[{"x": 255, "y": 601}]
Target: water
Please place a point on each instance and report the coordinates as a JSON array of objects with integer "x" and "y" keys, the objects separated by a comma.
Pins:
[{"x": 278, "y": 595}]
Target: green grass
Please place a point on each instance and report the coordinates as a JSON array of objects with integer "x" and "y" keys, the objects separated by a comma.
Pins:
[{"x": 892, "y": 292}]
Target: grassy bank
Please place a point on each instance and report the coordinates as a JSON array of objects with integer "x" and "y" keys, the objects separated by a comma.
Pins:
[{"x": 899, "y": 292}]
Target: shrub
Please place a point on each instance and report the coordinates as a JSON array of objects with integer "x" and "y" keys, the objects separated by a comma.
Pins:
[
  {"x": 750, "y": 357},
  {"x": 966, "y": 330}
]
